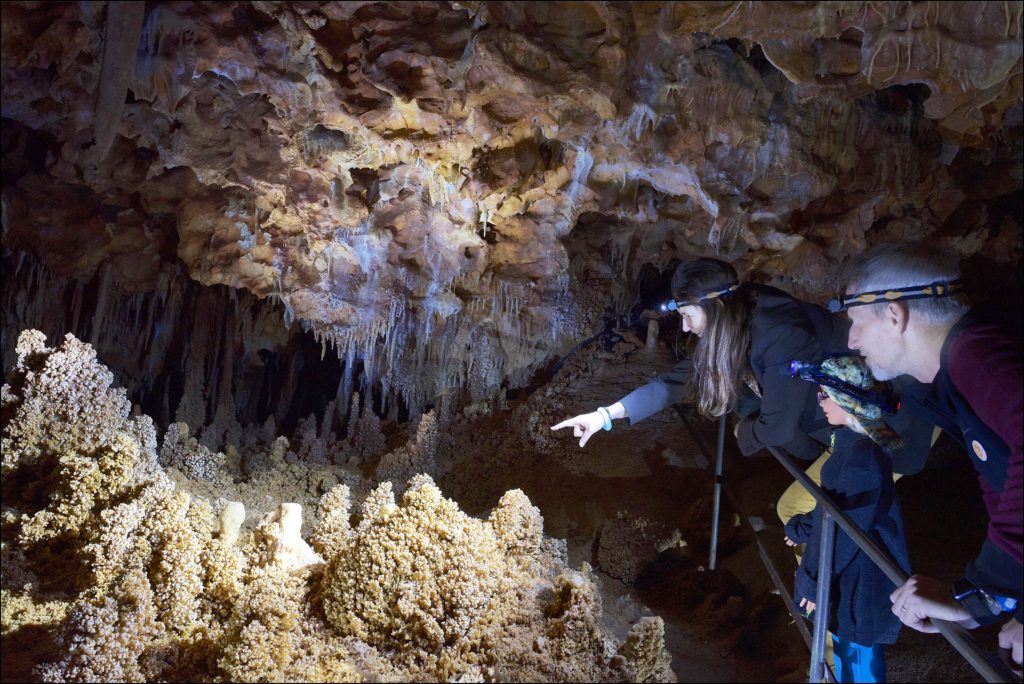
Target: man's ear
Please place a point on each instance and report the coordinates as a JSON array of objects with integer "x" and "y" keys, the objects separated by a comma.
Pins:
[{"x": 898, "y": 315}]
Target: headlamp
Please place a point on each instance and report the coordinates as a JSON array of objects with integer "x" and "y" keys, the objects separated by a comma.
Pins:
[
  {"x": 675, "y": 305},
  {"x": 939, "y": 288},
  {"x": 885, "y": 398}
]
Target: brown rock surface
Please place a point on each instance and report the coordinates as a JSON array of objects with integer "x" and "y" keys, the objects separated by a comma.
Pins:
[{"x": 414, "y": 180}]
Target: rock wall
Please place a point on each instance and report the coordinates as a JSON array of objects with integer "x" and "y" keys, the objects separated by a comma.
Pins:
[{"x": 447, "y": 194}]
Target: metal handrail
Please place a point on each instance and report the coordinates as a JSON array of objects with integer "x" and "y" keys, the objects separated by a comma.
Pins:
[
  {"x": 822, "y": 598},
  {"x": 991, "y": 669},
  {"x": 713, "y": 559}
]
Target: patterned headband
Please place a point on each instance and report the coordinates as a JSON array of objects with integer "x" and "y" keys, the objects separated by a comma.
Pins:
[
  {"x": 880, "y": 395},
  {"x": 939, "y": 288}
]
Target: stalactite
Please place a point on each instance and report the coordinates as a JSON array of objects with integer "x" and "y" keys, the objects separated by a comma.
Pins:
[
  {"x": 224, "y": 426},
  {"x": 76, "y": 304},
  {"x": 120, "y": 41},
  {"x": 640, "y": 118},
  {"x": 346, "y": 378},
  {"x": 191, "y": 409},
  {"x": 287, "y": 391},
  {"x": 102, "y": 302}
]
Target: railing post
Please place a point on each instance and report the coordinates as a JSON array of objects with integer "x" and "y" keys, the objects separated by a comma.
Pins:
[
  {"x": 821, "y": 599},
  {"x": 718, "y": 493}
]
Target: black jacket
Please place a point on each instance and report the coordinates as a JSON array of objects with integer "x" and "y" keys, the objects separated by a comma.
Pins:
[{"x": 783, "y": 329}]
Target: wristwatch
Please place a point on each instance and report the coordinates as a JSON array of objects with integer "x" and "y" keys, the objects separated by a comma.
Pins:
[{"x": 978, "y": 602}]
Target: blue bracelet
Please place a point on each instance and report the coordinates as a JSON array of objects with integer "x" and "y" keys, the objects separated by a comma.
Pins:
[{"x": 607, "y": 418}]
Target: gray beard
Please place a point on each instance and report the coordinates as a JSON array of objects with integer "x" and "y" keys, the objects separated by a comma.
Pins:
[{"x": 881, "y": 373}]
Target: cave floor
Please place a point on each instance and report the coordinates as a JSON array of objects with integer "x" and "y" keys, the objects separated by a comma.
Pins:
[{"x": 726, "y": 625}]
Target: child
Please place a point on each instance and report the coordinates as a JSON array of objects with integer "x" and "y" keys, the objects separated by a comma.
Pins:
[{"x": 858, "y": 477}]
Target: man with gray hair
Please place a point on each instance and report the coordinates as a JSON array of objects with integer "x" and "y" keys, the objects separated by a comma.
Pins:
[{"x": 908, "y": 318}]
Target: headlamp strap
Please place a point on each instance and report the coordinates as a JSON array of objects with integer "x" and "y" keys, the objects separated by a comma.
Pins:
[
  {"x": 675, "y": 304},
  {"x": 940, "y": 288}
]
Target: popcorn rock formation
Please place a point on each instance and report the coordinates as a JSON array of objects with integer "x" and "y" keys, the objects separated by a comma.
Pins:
[{"x": 129, "y": 576}]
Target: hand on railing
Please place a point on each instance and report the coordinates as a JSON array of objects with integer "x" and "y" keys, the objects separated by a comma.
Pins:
[
  {"x": 922, "y": 598},
  {"x": 808, "y": 606},
  {"x": 1010, "y": 639}
]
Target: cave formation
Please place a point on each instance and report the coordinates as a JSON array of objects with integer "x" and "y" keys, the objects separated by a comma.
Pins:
[{"x": 293, "y": 291}]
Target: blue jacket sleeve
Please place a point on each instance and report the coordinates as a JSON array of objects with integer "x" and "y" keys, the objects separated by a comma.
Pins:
[
  {"x": 802, "y": 529},
  {"x": 805, "y": 585},
  {"x": 861, "y": 498},
  {"x": 798, "y": 529},
  {"x": 663, "y": 391}
]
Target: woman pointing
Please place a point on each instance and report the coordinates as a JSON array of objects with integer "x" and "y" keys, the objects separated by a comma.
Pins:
[{"x": 748, "y": 334}]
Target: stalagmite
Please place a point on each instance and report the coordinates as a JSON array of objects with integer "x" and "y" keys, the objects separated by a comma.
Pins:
[
  {"x": 231, "y": 520},
  {"x": 285, "y": 547},
  {"x": 652, "y": 334}
]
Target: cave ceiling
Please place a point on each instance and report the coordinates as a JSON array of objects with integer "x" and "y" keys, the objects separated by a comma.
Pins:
[{"x": 414, "y": 180}]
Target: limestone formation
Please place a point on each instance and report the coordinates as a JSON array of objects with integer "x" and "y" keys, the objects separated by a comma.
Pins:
[
  {"x": 414, "y": 181},
  {"x": 319, "y": 256},
  {"x": 416, "y": 590}
]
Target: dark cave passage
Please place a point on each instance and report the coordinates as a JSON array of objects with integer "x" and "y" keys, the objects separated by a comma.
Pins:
[{"x": 182, "y": 343}]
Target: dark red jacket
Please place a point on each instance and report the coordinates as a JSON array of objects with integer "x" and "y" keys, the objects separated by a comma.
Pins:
[{"x": 978, "y": 398}]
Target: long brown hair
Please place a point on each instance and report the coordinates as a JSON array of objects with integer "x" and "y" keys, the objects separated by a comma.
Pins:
[{"x": 722, "y": 357}]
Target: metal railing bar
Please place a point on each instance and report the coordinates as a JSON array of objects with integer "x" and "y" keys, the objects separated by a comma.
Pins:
[
  {"x": 822, "y": 597},
  {"x": 784, "y": 593},
  {"x": 990, "y": 668},
  {"x": 717, "y": 502}
]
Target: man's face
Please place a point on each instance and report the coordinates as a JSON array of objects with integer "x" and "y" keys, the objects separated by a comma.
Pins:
[{"x": 878, "y": 339}]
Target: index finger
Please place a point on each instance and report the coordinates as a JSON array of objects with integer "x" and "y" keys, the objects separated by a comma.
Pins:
[{"x": 564, "y": 423}]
